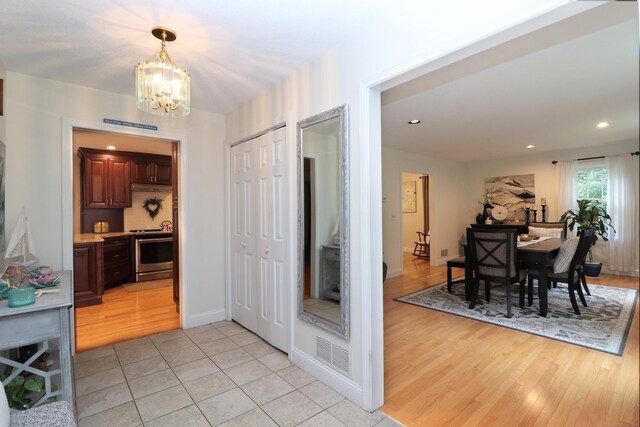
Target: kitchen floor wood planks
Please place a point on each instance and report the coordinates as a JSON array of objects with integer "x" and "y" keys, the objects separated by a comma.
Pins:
[
  {"x": 442, "y": 369},
  {"x": 124, "y": 316}
]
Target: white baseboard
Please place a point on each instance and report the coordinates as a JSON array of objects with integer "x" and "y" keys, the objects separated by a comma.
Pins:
[
  {"x": 393, "y": 273},
  {"x": 328, "y": 376},
  {"x": 204, "y": 318}
]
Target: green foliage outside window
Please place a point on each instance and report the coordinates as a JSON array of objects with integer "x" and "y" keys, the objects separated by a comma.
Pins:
[{"x": 592, "y": 185}]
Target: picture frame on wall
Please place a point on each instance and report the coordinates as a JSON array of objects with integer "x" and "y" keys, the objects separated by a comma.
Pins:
[{"x": 409, "y": 204}]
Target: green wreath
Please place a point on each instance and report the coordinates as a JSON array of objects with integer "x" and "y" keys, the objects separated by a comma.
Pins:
[{"x": 152, "y": 205}]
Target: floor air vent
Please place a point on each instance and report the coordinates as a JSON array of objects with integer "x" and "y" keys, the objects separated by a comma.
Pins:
[{"x": 334, "y": 355}]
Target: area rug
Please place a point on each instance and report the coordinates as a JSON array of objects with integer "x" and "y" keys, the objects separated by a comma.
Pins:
[
  {"x": 603, "y": 326},
  {"x": 144, "y": 286}
]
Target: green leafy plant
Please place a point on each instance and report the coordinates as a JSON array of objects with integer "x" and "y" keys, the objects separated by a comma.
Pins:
[
  {"x": 24, "y": 387},
  {"x": 590, "y": 214}
]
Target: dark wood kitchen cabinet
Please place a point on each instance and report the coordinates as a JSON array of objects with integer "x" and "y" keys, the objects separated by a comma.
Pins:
[
  {"x": 106, "y": 179},
  {"x": 117, "y": 261},
  {"x": 151, "y": 169},
  {"x": 87, "y": 274}
]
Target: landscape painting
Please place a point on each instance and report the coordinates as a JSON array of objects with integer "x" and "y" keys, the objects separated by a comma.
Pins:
[{"x": 513, "y": 192}]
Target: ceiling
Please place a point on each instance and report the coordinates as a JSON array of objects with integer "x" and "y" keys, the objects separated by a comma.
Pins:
[
  {"x": 233, "y": 49},
  {"x": 548, "y": 88}
]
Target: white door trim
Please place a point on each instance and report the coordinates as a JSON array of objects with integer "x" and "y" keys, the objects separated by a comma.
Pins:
[
  {"x": 68, "y": 125},
  {"x": 528, "y": 19}
]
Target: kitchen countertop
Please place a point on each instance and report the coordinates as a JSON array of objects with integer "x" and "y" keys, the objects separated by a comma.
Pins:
[{"x": 98, "y": 238}]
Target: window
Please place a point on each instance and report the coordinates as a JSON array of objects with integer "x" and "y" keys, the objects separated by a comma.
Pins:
[{"x": 592, "y": 184}]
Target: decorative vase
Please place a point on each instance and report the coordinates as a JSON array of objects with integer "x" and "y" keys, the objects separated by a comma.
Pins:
[
  {"x": 592, "y": 269},
  {"x": 485, "y": 214},
  {"x": 480, "y": 219},
  {"x": 19, "y": 297}
]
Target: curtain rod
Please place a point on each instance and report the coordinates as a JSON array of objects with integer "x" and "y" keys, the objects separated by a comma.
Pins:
[{"x": 635, "y": 153}]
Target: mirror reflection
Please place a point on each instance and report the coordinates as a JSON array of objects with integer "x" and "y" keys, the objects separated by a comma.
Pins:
[{"x": 323, "y": 279}]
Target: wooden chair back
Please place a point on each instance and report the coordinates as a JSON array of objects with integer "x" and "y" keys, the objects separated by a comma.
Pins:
[
  {"x": 554, "y": 225},
  {"x": 584, "y": 244},
  {"x": 493, "y": 254}
]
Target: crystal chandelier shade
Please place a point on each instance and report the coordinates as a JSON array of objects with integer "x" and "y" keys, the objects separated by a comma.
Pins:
[{"x": 162, "y": 87}]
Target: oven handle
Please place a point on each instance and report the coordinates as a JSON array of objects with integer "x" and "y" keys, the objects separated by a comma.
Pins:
[{"x": 157, "y": 240}]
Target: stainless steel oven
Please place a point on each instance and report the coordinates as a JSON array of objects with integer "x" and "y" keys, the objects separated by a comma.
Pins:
[{"x": 153, "y": 257}]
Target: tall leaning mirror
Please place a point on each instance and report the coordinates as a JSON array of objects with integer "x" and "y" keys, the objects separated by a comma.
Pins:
[{"x": 323, "y": 221}]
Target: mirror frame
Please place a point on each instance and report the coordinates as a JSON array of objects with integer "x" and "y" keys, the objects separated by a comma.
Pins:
[{"x": 341, "y": 330}]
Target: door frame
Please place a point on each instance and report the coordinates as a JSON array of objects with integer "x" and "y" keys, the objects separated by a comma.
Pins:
[
  {"x": 68, "y": 125},
  {"x": 527, "y": 20}
]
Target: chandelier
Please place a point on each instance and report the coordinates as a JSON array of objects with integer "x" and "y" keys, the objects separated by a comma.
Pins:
[{"x": 161, "y": 86}]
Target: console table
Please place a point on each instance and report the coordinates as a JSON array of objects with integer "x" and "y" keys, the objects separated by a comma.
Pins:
[
  {"x": 330, "y": 272},
  {"x": 47, "y": 324}
]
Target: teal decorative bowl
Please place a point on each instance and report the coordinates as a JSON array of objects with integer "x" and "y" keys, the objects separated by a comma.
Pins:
[{"x": 19, "y": 297}]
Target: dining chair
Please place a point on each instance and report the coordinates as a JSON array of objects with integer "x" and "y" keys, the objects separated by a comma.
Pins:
[
  {"x": 494, "y": 258},
  {"x": 567, "y": 267},
  {"x": 454, "y": 263},
  {"x": 422, "y": 245},
  {"x": 548, "y": 229}
]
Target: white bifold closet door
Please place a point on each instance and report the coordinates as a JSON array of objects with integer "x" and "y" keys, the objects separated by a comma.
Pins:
[{"x": 260, "y": 290}]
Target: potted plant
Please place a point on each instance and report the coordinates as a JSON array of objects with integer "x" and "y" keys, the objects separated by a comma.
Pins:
[{"x": 590, "y": 214}]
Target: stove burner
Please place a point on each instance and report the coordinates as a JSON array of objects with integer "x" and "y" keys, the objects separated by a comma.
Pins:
[{"x": 148, "y": 230}]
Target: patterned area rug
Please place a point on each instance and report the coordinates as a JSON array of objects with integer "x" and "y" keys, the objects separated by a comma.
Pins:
[{"x": 604, "y": 325}]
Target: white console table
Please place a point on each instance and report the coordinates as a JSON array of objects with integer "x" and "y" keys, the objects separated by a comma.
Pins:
[{"x": 47, "y": 324}]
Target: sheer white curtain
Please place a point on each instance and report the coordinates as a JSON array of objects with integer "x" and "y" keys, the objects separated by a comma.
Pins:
[
  {"x": 567, "y": 186},
  {"x": 623, "y": 208}
]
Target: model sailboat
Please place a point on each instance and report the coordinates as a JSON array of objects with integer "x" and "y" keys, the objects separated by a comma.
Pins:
[{"x": 21, "y": 248}]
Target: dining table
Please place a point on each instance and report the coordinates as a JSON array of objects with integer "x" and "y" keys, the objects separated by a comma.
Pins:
[{"x": 536, "y": 254}]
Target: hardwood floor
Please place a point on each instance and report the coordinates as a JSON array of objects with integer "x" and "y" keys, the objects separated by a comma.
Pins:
[
  {"x": 442, "y": 369},
  {"x": 125, "y": 315}
]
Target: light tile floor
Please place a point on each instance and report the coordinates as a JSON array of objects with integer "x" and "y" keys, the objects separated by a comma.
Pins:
[{"x": 218, "y": 374}]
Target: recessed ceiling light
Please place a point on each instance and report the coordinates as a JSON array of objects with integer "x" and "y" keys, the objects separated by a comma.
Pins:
[
  {"x": 530, "y": 146},
  {"x": 111, "y": 147},
  {"x": 602, "y": 125},
  {"x": 414, "y": 122}
]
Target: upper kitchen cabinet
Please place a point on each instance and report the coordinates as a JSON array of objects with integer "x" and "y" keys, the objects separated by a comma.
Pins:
[
  {"x": 106, "y": 179},
  {"x": 151, "y": 169}
]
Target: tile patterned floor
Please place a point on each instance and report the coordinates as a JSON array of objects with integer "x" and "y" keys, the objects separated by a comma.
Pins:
[{"x": 218, "y": 374}]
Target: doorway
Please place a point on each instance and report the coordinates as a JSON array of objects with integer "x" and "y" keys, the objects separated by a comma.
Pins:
[
  {"x": 416, "y": 234},
  {"x": 136, "y": 298}
]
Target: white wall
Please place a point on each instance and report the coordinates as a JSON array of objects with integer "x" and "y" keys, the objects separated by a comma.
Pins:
[
  {"x": 3, "y": 231},
  {"x": 414, "y": 34},
  {"x": 35, "y": 110}
]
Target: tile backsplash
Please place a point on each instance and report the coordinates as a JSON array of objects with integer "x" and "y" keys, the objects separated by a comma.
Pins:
[{"x": 136, "y": 217}]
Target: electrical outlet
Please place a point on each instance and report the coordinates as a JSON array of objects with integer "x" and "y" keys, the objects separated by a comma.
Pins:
[{"x": 444, "y": 252}]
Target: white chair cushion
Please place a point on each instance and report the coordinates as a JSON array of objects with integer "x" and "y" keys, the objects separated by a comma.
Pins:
[
  {"x": 4, "y": 408},
  {"x": 566, "y": 253},
  {"x": 545, "y": 232}
]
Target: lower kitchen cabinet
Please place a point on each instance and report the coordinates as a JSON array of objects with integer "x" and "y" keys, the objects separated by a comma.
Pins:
[
  {"x": 117, "y": 261},
  {"x": 88, "y": 283}
]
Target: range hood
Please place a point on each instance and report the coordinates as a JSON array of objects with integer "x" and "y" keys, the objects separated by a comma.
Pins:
[{"x": 151, "y": 188}]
